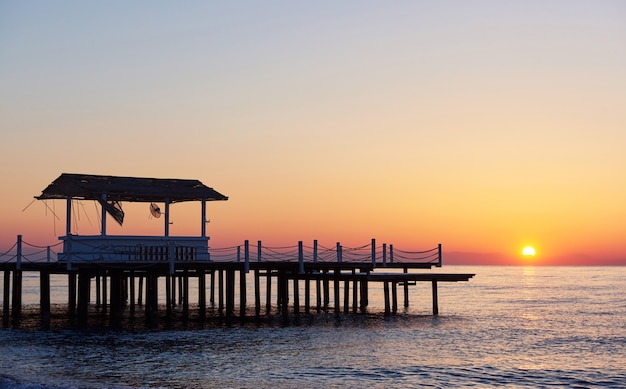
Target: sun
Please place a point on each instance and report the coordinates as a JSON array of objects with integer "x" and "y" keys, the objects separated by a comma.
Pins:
[{"x": 528, "y": 251}]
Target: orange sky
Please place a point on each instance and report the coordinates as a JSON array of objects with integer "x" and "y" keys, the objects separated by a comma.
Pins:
[{"x": 485, "y": 126}]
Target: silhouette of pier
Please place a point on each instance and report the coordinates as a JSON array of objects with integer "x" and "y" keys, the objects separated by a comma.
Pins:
[{"x": 128, "y": 271}]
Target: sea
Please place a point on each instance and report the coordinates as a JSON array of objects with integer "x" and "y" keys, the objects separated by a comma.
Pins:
[{"x": 508, "y": 327}]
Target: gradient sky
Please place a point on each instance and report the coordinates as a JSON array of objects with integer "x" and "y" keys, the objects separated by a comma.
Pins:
[{"x": 482, "y": 125}]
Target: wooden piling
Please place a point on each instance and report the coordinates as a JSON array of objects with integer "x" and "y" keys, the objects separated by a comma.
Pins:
[
  {"x": 394, "y": 296},
  {"x": 307, "y": 294},
  {"x": 220, "y": 291},
  {"x": 168, "y": 296},
  {"x": 242, "y": 294},
  {"x": 268, "y": 290},
  {"x": 84, "y": 284},
  {"x": 131, "y": 298},
  {"x": 44, "y": 298},
  {"x": 386, "y": 293},
  {"x": 105, "y": 300},
  {"x": 212, "y": 291},
  {"x": 201, "y": 295},
  {"x": 435, "y": 299},
  {"x": 257, "y": 293},
  {"x": 17, "y": 295},
  {"x": 346, "y": 296},
  {"x": 185, "y": 295},
  {"x": 296, "y": 296},
  {"x": 336, "y": 291},
  {"x": 98, "y": 289},
  {"x": 140, "y": 291},
  {"x": 71, "y": 293},
  {"x": 6, "y": 298}
]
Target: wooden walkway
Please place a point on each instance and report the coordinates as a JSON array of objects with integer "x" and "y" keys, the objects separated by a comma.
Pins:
[{"x": 130, "y": 285}]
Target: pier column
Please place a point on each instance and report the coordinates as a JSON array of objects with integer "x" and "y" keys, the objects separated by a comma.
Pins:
[
  {"x": 336, "y": 291},
  {"x": 185, "y": 295},
  {"x": 131, "y": 298},
  {"x": 386, "y": 293},
  {"x": 435, "y": 299},
  {"x": 71, "y": 282},
  {"x": 6, "y": 298},
  {"x": 201, "y": 295},
  {"x": 117, "y": 296},
  {"x": 257, "y": 293},
  {"x": 394, "y": 297},
  {"x": 230, "y": 292},
  {"x": 406, "y": 290},
  {"x": 268, "y": 290},
  {"x": 84, "y": 284},
  {"x": 44, "y": 297},
  {"x": 242, "y": 292},
  {"x": 212, "y": 291},
  {"x": 296, "y": 295},
  {"x": 364, "y": 293},
  {"x": 168, "y": 295}
]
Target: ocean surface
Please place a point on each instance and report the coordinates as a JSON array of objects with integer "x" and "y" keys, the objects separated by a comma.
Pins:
[{"x": 518, "y": 327}]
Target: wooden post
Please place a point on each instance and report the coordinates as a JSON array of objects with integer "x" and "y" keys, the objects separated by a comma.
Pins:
[
  {"x": 268, "y": 287},
  {"x": 283, "y": 292},
  {"x": 355, "y": 290},
  {"x": 296, "y": 296},
  {"x": 212, "y": 291},
  {"x": 300, "y": 258},
  {"x": 131, "y": 298},
  {"x": 257, "y": 293},
  {"x": 185, "y": 293},
  {"x": 44, "y": 302},
  {"x": 406, "y": 290},
  {"x": 336, "y": 291},
  {"x": 373, "y": 253},
  {"x": 435, "y": 299},
  {"x": 84, "y": 282},
  {"x": 346, "y": 296},
  {"x": 72, "y": 292},
  {"x": 230, "y": 292},
  {"x": 307, "y": 294},
  {"x": 318, "y": 293},
  {"x": 364, "y": 293},
  {"x": 386, "y": 293},
  {"x": 326, "y": 282},
  {"x": 116, "y": 297},
  {"x": 104, "y": 293},
  {"x": 242, "y": 292},
  {"x": 181, "y": 289},
  {"x": 394, "y": 296},
  {"x": 220, "y": 291},
  {"x": 97, "y": 290},
  {"x": 202, "y": 294},
  {"x": 140, "y": 291},
  {"x": 6, "y": 298},
  {"x": 169, "y": 302}
]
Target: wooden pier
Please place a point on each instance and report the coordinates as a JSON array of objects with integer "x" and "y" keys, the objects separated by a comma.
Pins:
[
  {"x": 134, "y": 288},
  {"x": 126, "y": 269}
]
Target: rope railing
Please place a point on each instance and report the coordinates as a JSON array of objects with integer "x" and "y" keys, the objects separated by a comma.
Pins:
[{"x": 163, "y": 247}]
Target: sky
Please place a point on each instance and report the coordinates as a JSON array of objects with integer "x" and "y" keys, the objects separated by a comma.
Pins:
[{"x": 486, "y": 126}]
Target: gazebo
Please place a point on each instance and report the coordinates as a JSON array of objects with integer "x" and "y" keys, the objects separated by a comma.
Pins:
[{"x": 110, "y": 192}]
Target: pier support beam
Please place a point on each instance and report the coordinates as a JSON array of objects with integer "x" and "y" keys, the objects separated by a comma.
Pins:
[
  {"x": 6, "y": 298},
  {"x": 435, "y": 299},
  {"x": 71, "y": 293},
  {"x": 201, "y": 295},
  {"x": 44, "y": 298},
  {"x": 17, "y": 295},
  {"x": 84, "y": 284}
]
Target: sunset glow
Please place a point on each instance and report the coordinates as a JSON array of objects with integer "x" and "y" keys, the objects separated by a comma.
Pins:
[{"x": 483, "y": 126}]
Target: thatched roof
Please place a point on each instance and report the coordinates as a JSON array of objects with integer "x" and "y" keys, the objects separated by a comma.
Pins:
[{"x": 133, "y": 189}]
